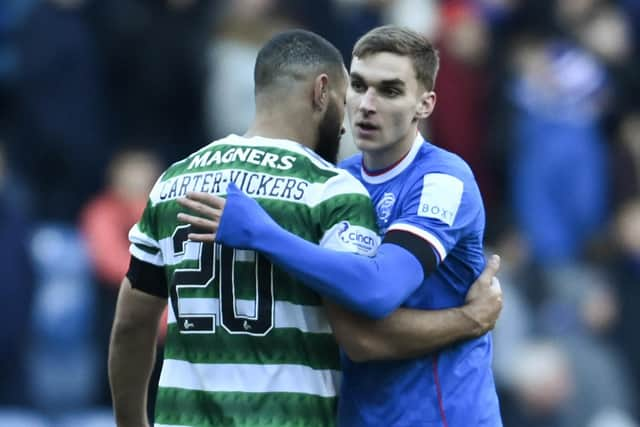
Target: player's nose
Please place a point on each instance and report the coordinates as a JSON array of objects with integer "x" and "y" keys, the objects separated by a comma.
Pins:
[{"x": 367, "y": 101}]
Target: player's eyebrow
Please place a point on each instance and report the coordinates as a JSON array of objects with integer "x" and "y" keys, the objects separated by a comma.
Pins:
[{"x": 390, "y": 82}]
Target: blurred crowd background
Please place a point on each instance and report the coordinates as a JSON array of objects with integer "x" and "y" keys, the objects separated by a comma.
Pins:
[{"x": 540, "y": 97}]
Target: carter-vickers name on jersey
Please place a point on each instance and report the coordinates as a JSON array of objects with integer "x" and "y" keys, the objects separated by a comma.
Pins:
[{"x": 256, "y": 184}]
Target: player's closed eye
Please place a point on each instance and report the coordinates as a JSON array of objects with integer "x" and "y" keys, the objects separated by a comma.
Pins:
[
  {"x": 358, "y": 86},
  {"x": 390, "y": 92}
]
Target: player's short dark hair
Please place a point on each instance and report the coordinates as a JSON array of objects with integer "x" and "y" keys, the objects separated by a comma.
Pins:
[
  {"x": 295, "y": 54},
  {"x": 405, "y": 42}
]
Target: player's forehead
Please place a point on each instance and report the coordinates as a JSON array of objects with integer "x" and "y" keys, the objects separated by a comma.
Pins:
[{"x": 381, "y": 67}]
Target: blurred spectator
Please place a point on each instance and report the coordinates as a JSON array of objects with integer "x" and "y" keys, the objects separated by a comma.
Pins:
[
  {"x": 565, "y": 383},
  {"x": 603, "y": 28},
  {"x": 16, "y": 293},
  {"x": 63, "y": 368},
  {"x": 246, "y": 25},
  {"x": 462, "y": 87},
  {"x": 154, "y": 57},
  {"x": 58, "y": 139},
  {"x": 625, "y": 263},
  {"x": 105, "y": 224},
  {"x": 558, "y": 159}
]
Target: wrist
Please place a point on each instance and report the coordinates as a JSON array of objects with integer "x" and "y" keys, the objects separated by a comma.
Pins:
[
  {"x": 264, "y": 236},
  {"x": 476, "y": 327}
]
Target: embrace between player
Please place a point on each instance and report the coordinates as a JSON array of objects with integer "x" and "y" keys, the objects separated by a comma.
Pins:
[{"x": 248, "y": 344}]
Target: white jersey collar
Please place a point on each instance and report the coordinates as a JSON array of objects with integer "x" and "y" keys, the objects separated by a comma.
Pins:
[{"x": 396, "y": 169}]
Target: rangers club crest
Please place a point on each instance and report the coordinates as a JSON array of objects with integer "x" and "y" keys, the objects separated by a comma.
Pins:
[{"x": 383, "y": 210}]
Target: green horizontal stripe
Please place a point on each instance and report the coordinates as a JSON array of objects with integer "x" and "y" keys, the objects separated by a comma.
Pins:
[
  {"x": 279, "y": 346},
  {"x": 216, "y": 409}
]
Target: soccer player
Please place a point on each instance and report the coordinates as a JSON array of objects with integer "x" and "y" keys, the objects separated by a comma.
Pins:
[
  {"x": 246, "y": 344},
  {"x": 429, "y": 210}
]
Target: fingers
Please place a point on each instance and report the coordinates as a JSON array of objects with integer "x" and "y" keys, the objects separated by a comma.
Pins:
[
  {"x": 198, "y": 237},
  {"x": 495, "y": 283},
  {"x": 490, "y": 270},
  {"x": 209, "y": 208},
  {"x": 493, "y": 265},
  {"x": 206, "y": 199},
  {"x": 199, "y": 223},
  {"x": 201, "y": 207}
]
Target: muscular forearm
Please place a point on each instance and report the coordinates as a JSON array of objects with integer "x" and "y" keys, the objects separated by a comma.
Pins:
[
  {"x": 131, "y": 360},
  {"x": 406, "y": 333}
]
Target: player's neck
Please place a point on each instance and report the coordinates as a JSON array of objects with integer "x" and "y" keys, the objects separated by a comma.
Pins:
[
  {"x": 376, "y": 160},
  {"x": 281, "y": 126}
]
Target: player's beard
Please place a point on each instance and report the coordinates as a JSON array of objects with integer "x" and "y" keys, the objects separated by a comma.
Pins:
[{"x": 329, "y": 133}]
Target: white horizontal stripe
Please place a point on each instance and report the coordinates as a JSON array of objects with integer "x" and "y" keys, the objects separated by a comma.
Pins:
[
  {"x": 312, "y": 195},
  {"x": 137, "y": 236},
  {"x": 249, "y": 378},
  {"x": 343, "y": 183},
  {"x": 306, "y": 318},
  {"x": 433, "y": 240},
  {"x": 146, "y": 256},
  {"x": 397, "y": 169},
  {"x": 190, "y": 251}
]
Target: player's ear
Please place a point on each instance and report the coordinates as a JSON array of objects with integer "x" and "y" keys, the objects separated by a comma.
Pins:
[
  {"x": 321, "y": 92},
  {"x": 426, "y": 104}
]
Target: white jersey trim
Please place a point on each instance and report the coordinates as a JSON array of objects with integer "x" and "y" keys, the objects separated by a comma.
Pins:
[
  {"x": 423, "y": 234},
  {"x": 146, "y": 256},
  {"x": 396, "y": 170},
  {"x": 278, "y": 378},
  {"x": 306, "y": 318}
]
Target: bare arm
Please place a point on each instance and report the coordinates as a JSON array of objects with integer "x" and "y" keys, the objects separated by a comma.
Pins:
[
  {"x": 132, "y": 353},
  {"x": 409, "y": 333}
]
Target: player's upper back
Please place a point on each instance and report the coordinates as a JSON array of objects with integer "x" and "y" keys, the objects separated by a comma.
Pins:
[{"x": 301, "y": 191}]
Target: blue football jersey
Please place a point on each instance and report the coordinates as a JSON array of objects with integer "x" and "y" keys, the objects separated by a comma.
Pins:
[{"x": 432, "y": 194}]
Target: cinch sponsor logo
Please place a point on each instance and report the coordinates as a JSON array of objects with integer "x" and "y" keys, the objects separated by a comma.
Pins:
[{"x": 357, "y": 236}]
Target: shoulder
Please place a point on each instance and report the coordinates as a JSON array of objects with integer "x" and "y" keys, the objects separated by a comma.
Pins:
[
  {"x": 341, "y": 186},
  {"x": 433, "y": 159},
  {"x": 434, "y": 166}
]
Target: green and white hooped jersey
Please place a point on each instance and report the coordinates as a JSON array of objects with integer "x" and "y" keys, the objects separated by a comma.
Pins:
[{"x": 247, "y": 345}]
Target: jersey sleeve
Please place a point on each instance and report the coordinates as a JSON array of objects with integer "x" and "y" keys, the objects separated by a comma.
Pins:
[
  {"x": 144, "y": 244},
  {"x": 346, "y": 217},
  {"x": 146, "y": 268},
  {"x": 437, "y": 212}
]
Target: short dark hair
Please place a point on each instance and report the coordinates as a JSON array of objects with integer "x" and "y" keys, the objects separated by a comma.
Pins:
[
  {"x": 295, "y": 54},
  {"x": 405, "y": 42}
]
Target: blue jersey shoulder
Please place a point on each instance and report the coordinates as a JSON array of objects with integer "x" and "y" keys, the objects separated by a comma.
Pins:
[{"x": 433, "y": 159}]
